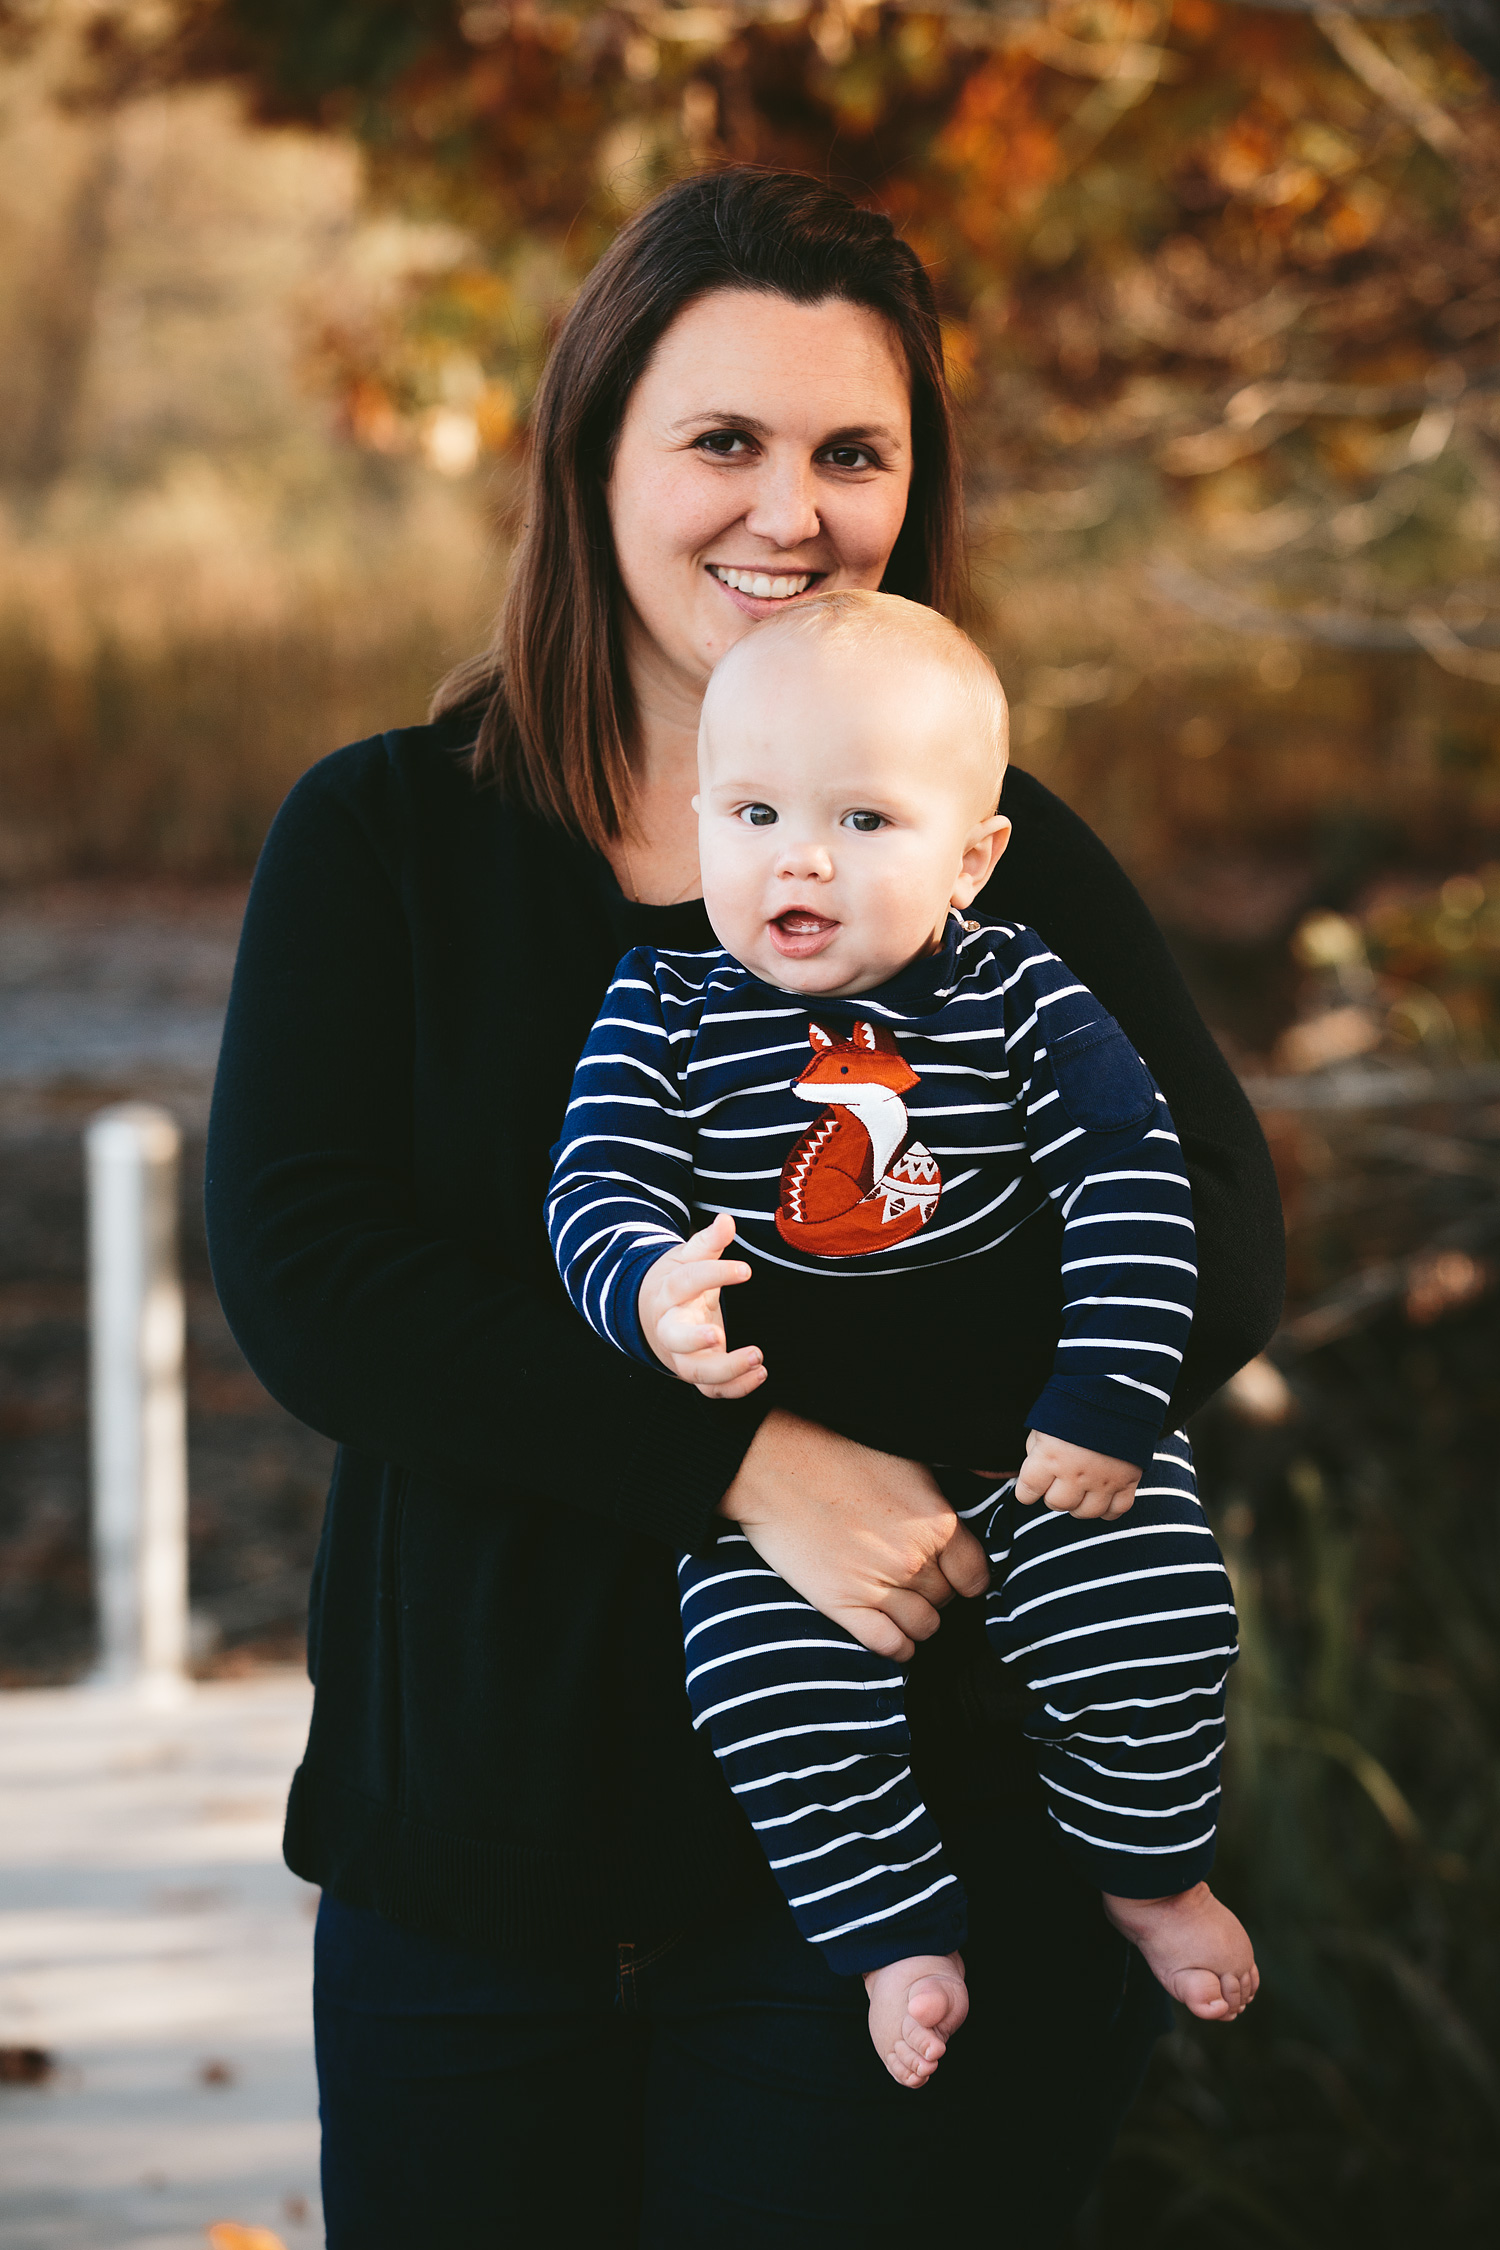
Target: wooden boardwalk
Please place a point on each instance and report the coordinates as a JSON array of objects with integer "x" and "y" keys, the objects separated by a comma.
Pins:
[{"x": 154, "y": 1948}]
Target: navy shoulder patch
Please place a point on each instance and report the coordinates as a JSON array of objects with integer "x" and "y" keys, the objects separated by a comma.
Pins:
[{"x": 1101, "y": 1081}]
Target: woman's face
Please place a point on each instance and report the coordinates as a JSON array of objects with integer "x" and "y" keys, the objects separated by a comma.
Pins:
[{"x": 764, "y": 456}]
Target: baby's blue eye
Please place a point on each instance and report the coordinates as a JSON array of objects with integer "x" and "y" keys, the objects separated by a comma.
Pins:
[
  {"x": 864, "y": 823},
  {"x": 758, "y": 816}
]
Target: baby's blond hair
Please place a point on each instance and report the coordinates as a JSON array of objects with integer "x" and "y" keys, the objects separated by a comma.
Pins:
[{"x": 852, "y": 619}]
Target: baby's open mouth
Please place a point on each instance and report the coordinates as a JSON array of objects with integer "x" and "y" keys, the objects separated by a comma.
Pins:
[{"x": 800, "y": 932}]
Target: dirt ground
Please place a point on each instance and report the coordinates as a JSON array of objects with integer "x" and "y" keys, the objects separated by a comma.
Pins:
[{"x": 110, "y": 993}]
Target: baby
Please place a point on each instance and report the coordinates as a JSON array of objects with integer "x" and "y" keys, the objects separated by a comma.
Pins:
[{"x": 979, "y": 1125}]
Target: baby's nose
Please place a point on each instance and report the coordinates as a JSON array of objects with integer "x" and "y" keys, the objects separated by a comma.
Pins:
[{"x": 806, "y": 861}]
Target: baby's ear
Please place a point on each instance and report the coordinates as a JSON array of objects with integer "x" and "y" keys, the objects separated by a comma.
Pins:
[{"x": 982, "y": 850}]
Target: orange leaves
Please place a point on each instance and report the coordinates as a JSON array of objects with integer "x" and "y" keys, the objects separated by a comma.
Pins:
[
  {"x": 1002, "y": 147},
  {"x": 1195, "y": 19}
]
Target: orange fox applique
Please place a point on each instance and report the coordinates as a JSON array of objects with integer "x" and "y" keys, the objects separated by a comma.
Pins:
[{"x": 856, "y": 1181}]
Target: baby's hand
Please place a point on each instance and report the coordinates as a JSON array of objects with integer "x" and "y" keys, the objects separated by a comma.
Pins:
[
  {"x": 679, "y": 1312},
  {"x": 1075, "y": 1481}
]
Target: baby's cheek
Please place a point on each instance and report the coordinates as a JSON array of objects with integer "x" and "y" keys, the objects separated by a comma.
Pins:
[{"x": 732, "y": 897}]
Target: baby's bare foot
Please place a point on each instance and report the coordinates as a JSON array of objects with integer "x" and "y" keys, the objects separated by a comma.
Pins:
[
  {"x": 915, "y": 2008},
  {"x": 1194, "y": 1947}
]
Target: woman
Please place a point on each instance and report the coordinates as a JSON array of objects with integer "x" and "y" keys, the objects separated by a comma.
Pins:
[{"x": 556, "y": 1998}]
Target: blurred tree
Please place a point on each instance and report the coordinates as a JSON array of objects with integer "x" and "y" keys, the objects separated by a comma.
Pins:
[{"x": 1219, "y": 276}]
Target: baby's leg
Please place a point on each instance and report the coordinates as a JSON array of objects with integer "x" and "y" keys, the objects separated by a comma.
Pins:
[
  {"x": 1124, "y": 1633},
  {"x": 810, "y": 1729}
]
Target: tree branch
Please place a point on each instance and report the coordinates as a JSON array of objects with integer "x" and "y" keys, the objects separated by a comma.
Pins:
[{"x": 1394, "y": 88}]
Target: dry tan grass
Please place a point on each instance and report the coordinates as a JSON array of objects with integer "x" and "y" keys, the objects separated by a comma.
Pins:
[
  {"x": 160, "y": 689},
  {"x": 204, "y": 584}
]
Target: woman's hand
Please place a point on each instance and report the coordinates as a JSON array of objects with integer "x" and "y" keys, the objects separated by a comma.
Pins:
[{"x": 867, "y": 1538}]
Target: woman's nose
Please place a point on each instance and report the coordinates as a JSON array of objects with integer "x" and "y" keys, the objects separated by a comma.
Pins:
[{"x": 784, "y": 509}]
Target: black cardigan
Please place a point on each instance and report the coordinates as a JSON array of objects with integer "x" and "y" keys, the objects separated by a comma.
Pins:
[{"x": 500, "y": 1748}]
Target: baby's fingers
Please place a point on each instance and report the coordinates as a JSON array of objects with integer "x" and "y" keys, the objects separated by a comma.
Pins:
[
  {"x": 710, "y": 1241},
  {"x": 740, "y": 1389},
  {"x": 1087, "y": 1505},
  {"x": 687, "y": 1329},
  {"x": 721, "y": 1374},
  {"x": 696, "y": 1276}
]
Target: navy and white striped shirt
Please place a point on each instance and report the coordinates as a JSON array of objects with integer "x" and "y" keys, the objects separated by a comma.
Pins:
[{"x": 980, "y": 1104}]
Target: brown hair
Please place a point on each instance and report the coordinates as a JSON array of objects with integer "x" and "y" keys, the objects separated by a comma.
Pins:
[{"x": 552, "y": 695}]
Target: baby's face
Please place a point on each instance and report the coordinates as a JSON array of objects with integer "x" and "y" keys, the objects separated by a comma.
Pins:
[{"x": 844, "y": 805}]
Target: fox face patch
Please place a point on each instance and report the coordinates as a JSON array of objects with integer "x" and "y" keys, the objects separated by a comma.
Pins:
[{"x": 856, "y": 1181}]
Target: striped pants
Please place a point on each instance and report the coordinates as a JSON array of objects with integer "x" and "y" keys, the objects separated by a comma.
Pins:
[{"x": 1123, "y": 1634}]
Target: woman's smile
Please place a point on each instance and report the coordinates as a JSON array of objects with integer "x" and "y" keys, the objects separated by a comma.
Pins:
[{"x": 761, "y": 589}]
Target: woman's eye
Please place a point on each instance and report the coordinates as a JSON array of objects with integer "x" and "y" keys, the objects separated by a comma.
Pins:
[
  {"x": 850, "y": 457},
  {"x": 864, "y": 823},
  {"x": 722, "y": 444},
  {"x": 758, "y": 816}
]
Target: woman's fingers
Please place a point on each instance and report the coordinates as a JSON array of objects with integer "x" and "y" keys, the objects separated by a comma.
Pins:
[
  {"x": 856, "y": 1532},
  {"x": 873, "y": 1629},
  {"x": 930, "y": 1582},
  {"x": 917, "y": 1620},
  {"x": 964, "y": 1563}
]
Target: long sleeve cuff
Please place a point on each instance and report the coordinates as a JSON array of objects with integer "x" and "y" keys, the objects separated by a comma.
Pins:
[
  {"x": 1081, "y": 1417},
  {"x": 941, "y": 1926},
  {"x": 1125, "y": 1874},
  {"x": 624, "y": 1303}
]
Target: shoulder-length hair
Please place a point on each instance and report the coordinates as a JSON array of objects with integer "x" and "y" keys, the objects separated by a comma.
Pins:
[{"x": 552, "y": 695}]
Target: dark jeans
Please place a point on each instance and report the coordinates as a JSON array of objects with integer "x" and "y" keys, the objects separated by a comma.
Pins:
[{"x": 717, "y": 2090}]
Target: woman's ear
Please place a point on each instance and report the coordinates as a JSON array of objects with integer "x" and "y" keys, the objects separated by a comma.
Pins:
[{"x": 982, "y": 848}]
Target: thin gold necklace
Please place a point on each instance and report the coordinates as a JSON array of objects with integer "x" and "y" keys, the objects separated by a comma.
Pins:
[{"x": 635, "y": 889}]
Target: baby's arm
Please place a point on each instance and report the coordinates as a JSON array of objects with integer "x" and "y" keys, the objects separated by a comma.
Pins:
[
  {"x": 622, "y": 1171},
  {"x": 1102, "y": 1140},
  {"x": 619, "y": 1205}
]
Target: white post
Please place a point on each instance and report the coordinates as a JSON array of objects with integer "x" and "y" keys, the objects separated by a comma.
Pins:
[{"x": 139, "y": 1417}]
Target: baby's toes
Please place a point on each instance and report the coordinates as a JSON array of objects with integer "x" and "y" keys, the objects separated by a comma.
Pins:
[
  {"x": 922, "y": 2040},
  {"x": 1203, "y": 1993},
  {"x": 926, "y": 2004},
  {"x": 939, "y": 2004},
  {"x": 909, "y": 2067},
  {"x": 1240, "y": 1991}
]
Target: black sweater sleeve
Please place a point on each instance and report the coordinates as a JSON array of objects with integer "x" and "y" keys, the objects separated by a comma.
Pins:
[
  {"x": 1060, "y": 879},
  {"x": 380, "y": 1330}
]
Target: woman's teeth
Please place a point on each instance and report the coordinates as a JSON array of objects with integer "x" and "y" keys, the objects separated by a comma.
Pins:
[{"x": 756, "y": 582}]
